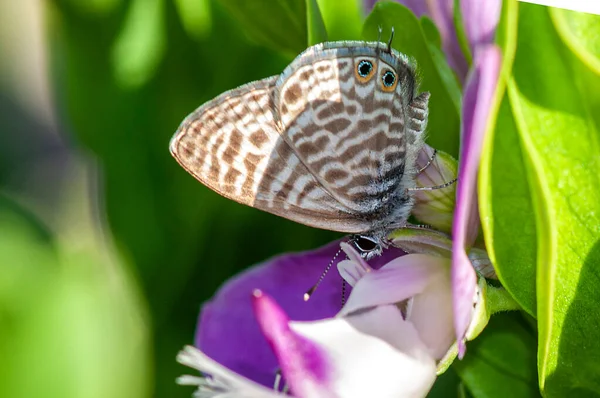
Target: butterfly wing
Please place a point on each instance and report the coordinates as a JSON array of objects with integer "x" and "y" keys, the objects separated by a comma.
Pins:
[
  {"x": 348, "y": 131},
  {"x": 233, "y": 146}
]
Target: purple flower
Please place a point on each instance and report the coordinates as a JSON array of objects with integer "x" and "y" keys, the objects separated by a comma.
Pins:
[
  {"x": 387, "y": 340},
  {"x": 478, "y": 96},
  {"x": 228, "y": 331}
]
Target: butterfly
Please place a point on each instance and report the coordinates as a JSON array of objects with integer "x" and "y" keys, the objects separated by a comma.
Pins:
[{"x": 331, "y": 142}]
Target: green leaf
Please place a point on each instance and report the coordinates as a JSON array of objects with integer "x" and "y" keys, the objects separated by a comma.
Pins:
[
  {"x": 343, "y": 19},
  {"x": 447, "y": 75},
  {"x": 579, "y": 31},
  {"x": 447, "y": 385},
  {"x": 277, "y": 24},
  {"x": 505, "y": 202},
  {"x": 434, "y": 41},
  {"x": 550, "y": 101},
  {"x": 140, "y": 46},
  {"x": 501, "y": 361},
  {"x": 11, "y": 213},
  {"x": 461, "y": 35},
  {"x": 195, "y": 17},
  {"x": 507, "y": 210},
  {"x": 576, "y": 29},
  {"x": 431, "y": 32},
  {"x": 95, "y": 7},
  {"x": 409, "y": 38},
  {"x": 315, "y": 25}
]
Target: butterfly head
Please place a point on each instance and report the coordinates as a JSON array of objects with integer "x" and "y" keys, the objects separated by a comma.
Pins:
[{"x": 367, "y": 246}]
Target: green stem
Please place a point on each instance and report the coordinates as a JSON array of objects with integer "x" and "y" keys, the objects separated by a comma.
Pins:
[{"x": 498, "y": 299}]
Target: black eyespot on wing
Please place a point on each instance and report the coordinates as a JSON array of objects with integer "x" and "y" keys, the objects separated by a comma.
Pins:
[
  {"x": 364, "y": 68},
  {"x": 388, "y": 79}
]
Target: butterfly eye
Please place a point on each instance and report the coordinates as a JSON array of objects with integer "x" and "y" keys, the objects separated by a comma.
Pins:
[
  {"x": 388, "y": 81},
  {"x": 364, "y": 70},
  {"x": 366, "y": 246}
]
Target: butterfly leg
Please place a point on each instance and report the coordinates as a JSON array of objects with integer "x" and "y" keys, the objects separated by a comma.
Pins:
[
  {"x": 278, "y": 377},
  {"x": 444, "y": 185},
  {"x": 422, "y": 169},
  {"x": 429, "y": 162},
  {"x": 431, "y": 159},
  {"x": 277, "y": 384}
]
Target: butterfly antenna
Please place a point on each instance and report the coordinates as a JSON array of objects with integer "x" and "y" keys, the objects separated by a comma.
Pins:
[
  {"x": 379, "y": 32},
  {"x": 431, "y": 159},
  {"x": 310, "y": 291},
  {"x": 389, "y": 44}
]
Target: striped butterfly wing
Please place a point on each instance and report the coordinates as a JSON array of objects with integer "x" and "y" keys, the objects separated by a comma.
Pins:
[
  {"x": 349, "y": 129},
  {"x": 233, "y": 145}
]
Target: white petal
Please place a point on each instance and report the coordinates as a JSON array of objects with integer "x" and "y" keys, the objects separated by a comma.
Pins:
[
  {"x": 355, "y": 267},
  {"x": 222, "y": 382},
  {"x": 372, "y": 353},
  {"x": 398, "y": 280},
  {"x": 431, "y": 312}
]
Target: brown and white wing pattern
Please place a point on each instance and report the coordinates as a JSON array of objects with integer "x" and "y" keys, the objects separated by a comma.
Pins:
[
  {"x": 234, "y": 146},
  {"x": 345, "y": 125}
]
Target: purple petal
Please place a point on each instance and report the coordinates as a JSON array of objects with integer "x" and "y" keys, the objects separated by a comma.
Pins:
[
  {"x": 480, "y": 20},
  {"x": 228, "y": 331},
  {"x": 477, "y": 100},
  {"x": 441, "y": 11}
]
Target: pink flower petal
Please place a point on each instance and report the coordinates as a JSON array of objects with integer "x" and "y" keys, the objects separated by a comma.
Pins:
[
  {"x": 355, "y": 267},
  {"x": 478, "y": 96},
  {"x": 424, "y": 280},
  {"x": 396, "y": 281},
  {"x": 431, "y": 313},
  {"x": 302, "y": 362}
]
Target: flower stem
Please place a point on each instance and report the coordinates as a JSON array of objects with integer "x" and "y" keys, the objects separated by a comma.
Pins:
[{"x": 498, "y": 299}]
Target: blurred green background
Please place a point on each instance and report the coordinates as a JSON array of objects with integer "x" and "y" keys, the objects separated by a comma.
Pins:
[{"x": 107, "y": 246}]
